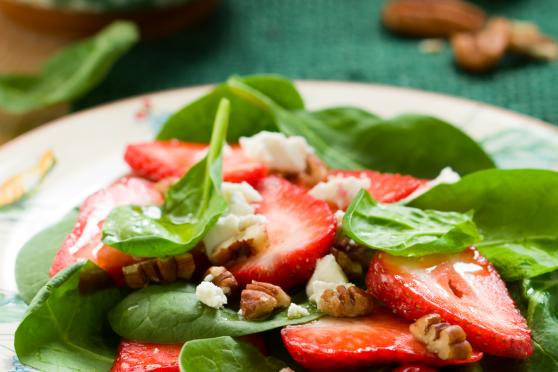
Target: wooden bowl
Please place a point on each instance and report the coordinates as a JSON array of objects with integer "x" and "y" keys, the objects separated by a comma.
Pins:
[{"x": 153, "y": 22}]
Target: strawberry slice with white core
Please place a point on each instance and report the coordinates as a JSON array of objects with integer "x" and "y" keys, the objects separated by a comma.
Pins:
[
  {"x": 161, "y": 159},
  {"x": 300, "y": 230},
  {"x": 464, "y": 289},
  {"x": 85, "y": 241},
  {"x": 385, "y": 187},
  {"x": 346, "y": 343}
]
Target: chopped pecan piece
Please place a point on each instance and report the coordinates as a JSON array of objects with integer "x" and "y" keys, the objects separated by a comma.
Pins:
[
  {"x": 222, "y": 278},
  {"x": 445, "y": 340},
  {"x": 346, "y": 301},
  {"x": 483, "y": 50},
  {"x": 259, "y": 299},
  {"x": 352, "y": 268},
  {"x": 158, "y": 270},
  {"x": 316, "y": 172},
  {"x": 185, "y": 266}
]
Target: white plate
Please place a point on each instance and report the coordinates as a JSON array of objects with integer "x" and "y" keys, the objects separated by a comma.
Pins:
[{"x": 89, "y": 146}]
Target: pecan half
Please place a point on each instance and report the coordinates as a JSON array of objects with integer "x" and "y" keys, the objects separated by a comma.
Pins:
[
  {"x": 351, "y": 267},
  {"x": 260, "y": 299},
  {"x": 316, "y": 172},
  {"x": 222, "y": 278},
  {"x": 483, "y": 50},
  {"x": 345, "y": 301},
  {"x": 527, "y": 39},
  {"x": 432, "y": 18},
  {"x": 445, "y": 340},
  {"x": 158, "y": 270}
]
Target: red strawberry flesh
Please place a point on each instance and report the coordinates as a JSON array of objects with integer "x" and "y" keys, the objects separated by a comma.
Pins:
[
  {"x": 300, "y": 230},
  {"x": 139, "y": 357},
  {"x": 344, "y": 343},
  {"x": 385, "y": 187},
  {"x": 85, "y": 241},
  {"x": 161, "y": 159},
  {"x": 464, "y": 289}
]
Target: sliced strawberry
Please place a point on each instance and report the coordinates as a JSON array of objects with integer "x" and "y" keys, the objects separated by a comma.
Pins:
[
  {"x": 139, "y": 357},
  {"x": 463, "y": 288},
  {"x": 385, "y": 187},
  {"x": 161, "y": 159},
  {"x": 345, "y": 343},
  {"x": 300, "y": 230},
  {"x": 84, "y": 242}
]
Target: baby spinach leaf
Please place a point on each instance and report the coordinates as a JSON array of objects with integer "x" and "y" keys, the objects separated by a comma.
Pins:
[
  {"x": 70, "y": 73},
  {"x": 352, "y": 138},
  {"x": 405, "y": 231},
  {"x": 173, "y": 314},
  {"x": 541, "y": 295},
  {"x": 225, "y": 354},
  {"x": 192, "y": 206},
  {"x": 193, "y": 122},
  {"x": 64, "y": 330},
  {"x": 34, "y": 259},
  {"x": 515, "y": 211},
  {"x": 410, "y": 144}
]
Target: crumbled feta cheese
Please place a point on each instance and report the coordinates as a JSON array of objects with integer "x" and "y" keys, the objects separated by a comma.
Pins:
[
  {"x": 277, "y": 151},
  {"x": 447, "y": 175},
  {"x": 230, "y": 227},
  {"x": 296, "y": 311},
  {"x": 210, "y": 295},
  {"x": 240, "y": 197},
  {"x": 327, "y": 271},
  {"x": 339, "y": 191}
]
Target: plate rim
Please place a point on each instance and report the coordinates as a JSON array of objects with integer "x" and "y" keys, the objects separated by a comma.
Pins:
[{"x": 160, "y": 94}]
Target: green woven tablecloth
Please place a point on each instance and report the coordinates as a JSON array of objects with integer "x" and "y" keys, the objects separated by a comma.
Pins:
[{"x": 333, "y": 40}]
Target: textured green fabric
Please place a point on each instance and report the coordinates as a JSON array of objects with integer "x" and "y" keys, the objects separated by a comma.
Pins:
[{"x": 335, "y": 40}]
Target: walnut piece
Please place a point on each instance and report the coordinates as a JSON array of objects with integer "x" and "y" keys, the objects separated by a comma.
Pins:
[
  {"x": 159, "y": 270},
  {"x": 344, "y": 301},
  {"x": 445, "y": 340},
  {"x": 432, "y": 18},
  {"x": 483, "y": 50},
  {"x": 222, "y": 278},
  {"x": 250, "y": 242},
  {"x": 260, "y": 299}
]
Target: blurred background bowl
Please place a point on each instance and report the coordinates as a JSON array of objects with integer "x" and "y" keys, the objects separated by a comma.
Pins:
[{"x": 155, "y": 18}]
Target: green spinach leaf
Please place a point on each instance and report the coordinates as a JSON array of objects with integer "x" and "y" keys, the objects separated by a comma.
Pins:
[
  {"x": 541, "y": 296},
  {"x": 192, "y": 206},
  {"x": 352, "y": 138},
  {"x": 405, "y": 231},
  {"x": 225, "y": 354},
  {"x": 193, "y": 122},
  {"x": 172, "y": 314},
  {"x": 34, "y": 259},
  {"x": 64, "y": 330},
  {"x": 70, "y": 73},
  {"x": 409, "y": 144},
  {"x": 515, "y": 211}
]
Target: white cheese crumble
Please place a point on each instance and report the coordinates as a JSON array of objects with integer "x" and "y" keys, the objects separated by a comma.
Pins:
[
  {"x": 339, "y": 191},
  {"x": 339, "y": 215},
  {"x": 228, "y": 228},
  {"x": 277, "y": 151},
  {"x": 447, "y": 175},
  {"x": 327, "y": 275},
  {"x": 240, "y": 216},
  {"x": 241, "y": 198},
  {"x": 210, "y": 295},
  {"x": 296, "y": 311}
]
